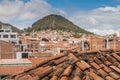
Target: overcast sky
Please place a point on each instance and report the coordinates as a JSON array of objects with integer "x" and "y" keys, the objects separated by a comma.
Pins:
[{"x": 99, "y": 16}]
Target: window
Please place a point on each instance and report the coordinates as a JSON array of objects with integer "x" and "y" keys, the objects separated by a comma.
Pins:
[
  {"x": 24, "y": 55},
  {"x": 1, "y": 30},
  {"x": 13, "y": 36},
  {"x": 36, "y": 50},
  {"x": 5, "y": 36},
  {"x": 7, "y": 30}
]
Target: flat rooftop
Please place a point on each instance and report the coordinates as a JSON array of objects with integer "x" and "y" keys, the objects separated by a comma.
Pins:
[{"x": 13, "y": 62}]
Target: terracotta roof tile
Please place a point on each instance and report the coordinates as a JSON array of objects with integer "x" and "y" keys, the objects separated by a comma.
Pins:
[
  {"x": 35, "y": 78},
  {"x": 107, "y": 69},
  {"x": 97, "y": 60},
  {"x": 95, "y": 76},
  {"x": 64, "y": 78},
  {"x": 60, "y": 60},
  {"x": 114, "y": 75},
  {"x": 102, "y": 58},
  {"x": 82, "y": 65},
  {"x": 109, "y": 78},
  {"x": 116, "y": 63},
  {"x": 119, "y": 65},
  {"x": 67, "y": 71},
  {"x": 44, "y": 72},
  {"x": 78, "y": 72},
  {"x": 87, "y": 52},
  {"x": 102, "y": 72},
  {"x": 111, "y": 59},
  {"x": 74, "y": 66},
  {"x": 76, "y": 78},
  {"x": 26, "y": 77},
  {"x": 74, "y": 57},
  {"x": 58, "y": 71},
  {"x": 92, "y": 70},
  {"x": 54, "y": 78},
  {"x": 56, "y": 57},
  {"x": 45, "y": 78},
  {"x": 115, "y": 68},
  {"x": 107, "y": 63},
  {"x": 116, "y": 56},
  {"x": 95, "y": 65},
  {"x": 87, "y": 78},
  {"x": 36, "y": 70},
  {"x": 90, "y": 59}
]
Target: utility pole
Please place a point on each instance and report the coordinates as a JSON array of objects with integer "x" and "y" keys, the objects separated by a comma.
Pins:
[
  {"x": 91, "y": 43},
  {"x": 114, "y": 42},
  {"x": 107, "y": 42},
  {"x": 83, "y": 37}
]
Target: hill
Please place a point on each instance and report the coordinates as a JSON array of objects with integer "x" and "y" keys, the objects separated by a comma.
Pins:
[
  {"x": 55, "y": 22},
  {"x": 14, "y": 29}
]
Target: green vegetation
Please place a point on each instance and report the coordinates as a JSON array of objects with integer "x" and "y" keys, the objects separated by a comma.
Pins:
[
  {"x": 55, "y": 22},
  {"x": 76, "y": 35}
]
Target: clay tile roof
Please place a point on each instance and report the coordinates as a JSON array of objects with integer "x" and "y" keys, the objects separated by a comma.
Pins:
[
  {"x": 115, "y": 68},
  {"x": 54, "y": 78},
  {"x": 95, "y": 76},
  {"x": 43, "y": 72},
  {"x": 102, "y": 72},
  {"x": 116, "y": 56},
  {"x": 110, "y": 58},
  {"x": 67, "y": 71},
  {"x": 109, "y": 78},
  {"x": 64, "y": 78},
  {"x": 60, "y": 60},
  {"x": 114, "y": 75},
  {"x": 82, "y": 65},
  {"x": 104, "y": 67},
  {"x": 74, "y": 66},
  {"x": 97, "y": 60},
  {"x": 87, "y": 78},
  {"x": 107, "y": 63},
  {"x": 74, "y": 57},
  {"x": 76, "y": 78},
  {"x": 58, "y": 72},
  {"x": 25, "y": 77},
  {"x": 96, "y": 66}
]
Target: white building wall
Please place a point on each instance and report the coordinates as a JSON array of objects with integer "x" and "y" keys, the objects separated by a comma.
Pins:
[
  {"x": 118, "y": 34},
  {"x": 19, "y": 55},
  {"x": 9, "y": 37}
]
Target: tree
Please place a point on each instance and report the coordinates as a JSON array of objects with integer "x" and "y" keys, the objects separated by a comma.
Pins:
[{"x": 76, "y": 35}]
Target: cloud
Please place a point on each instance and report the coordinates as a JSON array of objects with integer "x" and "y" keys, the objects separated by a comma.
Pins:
[
  {"x": 24, "y": 13},
  {"x": 10, "y": 8},
  {"x": 103, "y": 20}
]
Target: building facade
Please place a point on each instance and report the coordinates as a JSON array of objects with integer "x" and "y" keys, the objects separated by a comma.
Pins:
[{"x": 6, "y": 34}]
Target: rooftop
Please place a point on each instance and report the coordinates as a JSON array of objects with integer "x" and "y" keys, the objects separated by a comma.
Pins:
[
  {"x": 102, "y": 65},
  {"x": 14, "y": 61},
  {"x": 15, "y": 66}
]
